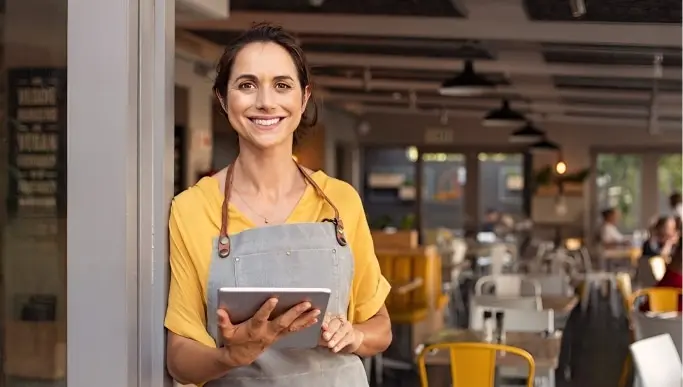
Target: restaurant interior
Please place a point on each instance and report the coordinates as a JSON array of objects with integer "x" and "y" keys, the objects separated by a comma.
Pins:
[
  {"x": 514, "y": 158},
  {"x": 519, "y": 162}
]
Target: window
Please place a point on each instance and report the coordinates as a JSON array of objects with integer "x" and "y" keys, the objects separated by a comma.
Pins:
[
  {"x": 670, "y": 179},
  {"x": 389, "y": 187},
  {"x": 501, "y": 183},
  {"x": 33, "y": 192},
  {"x": 443, "y": 191},
  {"x": 618, "y": 186}
]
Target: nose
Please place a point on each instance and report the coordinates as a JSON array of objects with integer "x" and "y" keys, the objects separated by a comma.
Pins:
[{"x": 265, "y": 98}]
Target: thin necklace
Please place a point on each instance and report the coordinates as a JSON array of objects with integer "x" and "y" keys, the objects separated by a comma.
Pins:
[{"x": 265, "y": 218}]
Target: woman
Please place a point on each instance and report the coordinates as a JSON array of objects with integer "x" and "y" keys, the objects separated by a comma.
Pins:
[
  {"x": 266, "y": 221},
  {"x": 664, "y": 237}
]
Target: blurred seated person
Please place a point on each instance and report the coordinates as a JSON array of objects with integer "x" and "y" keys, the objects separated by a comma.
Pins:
[
  {"x": 664, "y": 236},
  {"x": 676, "y": 204},
  {"x": 491, "y": 219},
  {"x": 673, "y": 277},
  {"x": 610, "y": 236}
]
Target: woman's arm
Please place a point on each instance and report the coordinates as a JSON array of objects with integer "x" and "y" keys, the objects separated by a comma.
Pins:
[
  {"x": 191, "y": 362},
  {"x": 376, "y": 334}
]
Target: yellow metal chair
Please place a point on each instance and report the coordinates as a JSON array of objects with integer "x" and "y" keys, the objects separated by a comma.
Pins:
[
  {"x": 473, "y": 364},
  {"x": 659, "y": 299}
]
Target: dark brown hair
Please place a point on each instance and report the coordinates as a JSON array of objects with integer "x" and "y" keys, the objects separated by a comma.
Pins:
[
  {"x": 675, "y": 199},
  {"x": 268, "y": 33}
]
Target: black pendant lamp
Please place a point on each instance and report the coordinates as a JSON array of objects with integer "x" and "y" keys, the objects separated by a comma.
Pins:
[
  {"x": 527, "y": 134},
  {"x": 504, "y": 116},
  {"x": 544, "y": 146},
  {"x": 467, "y": 83}
]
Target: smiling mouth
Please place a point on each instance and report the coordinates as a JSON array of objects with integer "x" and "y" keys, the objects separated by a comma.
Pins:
[{"x": 266, "y": 122}]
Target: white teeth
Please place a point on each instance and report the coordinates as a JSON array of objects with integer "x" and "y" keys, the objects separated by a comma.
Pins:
[{"x": 269, "y": 122}]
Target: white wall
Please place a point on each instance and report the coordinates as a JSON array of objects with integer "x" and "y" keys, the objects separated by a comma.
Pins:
[{"x": 199, "y": 119}]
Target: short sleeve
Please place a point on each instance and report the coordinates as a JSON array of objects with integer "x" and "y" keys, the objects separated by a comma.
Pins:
[
  {"x": 186, "y": 312},
  {"x": 370, "y": 288}
]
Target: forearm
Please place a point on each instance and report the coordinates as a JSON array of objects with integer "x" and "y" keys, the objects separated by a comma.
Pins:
[
  {"x": 190, "y": 362},
  {"x": 376, "y": 335}
]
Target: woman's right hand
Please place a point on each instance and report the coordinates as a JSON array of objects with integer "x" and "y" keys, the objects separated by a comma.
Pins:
[{"x": 245, "y": 342}]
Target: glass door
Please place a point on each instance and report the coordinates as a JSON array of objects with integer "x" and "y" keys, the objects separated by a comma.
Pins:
[
  {"x": 670, "y": 179},
  {"x": 618, "y": 186},
  {"x": 501, "y": 186},
  {"x": 444, "y": 176}
]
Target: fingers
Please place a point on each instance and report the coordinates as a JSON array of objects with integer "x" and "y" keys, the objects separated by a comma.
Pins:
[
  {"x": 340, "y": 337},
  {"x": 305, "y": 320},
  {"x": 286, "y": 319},
  {"x": 226, "y": 327},
  {"x": 331, "y": 327},
  {"x": 262, "y": 315}
]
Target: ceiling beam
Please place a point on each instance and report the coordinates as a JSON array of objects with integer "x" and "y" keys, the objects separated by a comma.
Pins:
[
  {"x": 485, "y": 105},
  {"x": 455, "y": 28},
  {"x": 509, "y": 66},
  {"x": 537, "y": 118},
  {"x": 673, "y": 99}
]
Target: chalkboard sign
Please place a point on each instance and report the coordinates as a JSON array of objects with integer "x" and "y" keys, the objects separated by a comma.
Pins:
[{"x": 36, "y": 112}]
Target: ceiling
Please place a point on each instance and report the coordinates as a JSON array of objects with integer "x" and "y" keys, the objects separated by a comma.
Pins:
[{"x": 392, "y": 55}]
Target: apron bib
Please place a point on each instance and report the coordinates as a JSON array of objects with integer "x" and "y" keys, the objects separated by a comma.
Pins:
[{"x": 313, "y": 255}]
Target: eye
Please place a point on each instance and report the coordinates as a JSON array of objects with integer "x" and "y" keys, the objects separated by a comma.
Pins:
[
  {"x": 282, "y": 85},
  {"x": 246, "y": 85}
]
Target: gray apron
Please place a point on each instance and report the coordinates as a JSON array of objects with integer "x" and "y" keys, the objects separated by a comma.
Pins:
[{"x": 312, "y": 255}]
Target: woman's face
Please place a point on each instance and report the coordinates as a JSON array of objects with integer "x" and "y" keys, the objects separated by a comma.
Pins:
[
  {"x": 265, "y": 101},
  {"x": 667, "y": 231}
]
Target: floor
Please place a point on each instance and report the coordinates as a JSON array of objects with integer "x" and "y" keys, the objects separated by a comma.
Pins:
[{"x": 599, "y": 343}]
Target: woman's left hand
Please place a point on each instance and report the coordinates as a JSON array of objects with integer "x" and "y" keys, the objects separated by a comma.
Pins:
[{"x": 338, "y": 334}]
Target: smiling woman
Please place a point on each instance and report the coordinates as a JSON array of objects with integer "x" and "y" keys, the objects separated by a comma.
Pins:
[{"x": 317, "y": 236}]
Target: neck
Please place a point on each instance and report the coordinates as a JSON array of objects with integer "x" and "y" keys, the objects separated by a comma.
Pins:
[{"x": 270, "y": 172}]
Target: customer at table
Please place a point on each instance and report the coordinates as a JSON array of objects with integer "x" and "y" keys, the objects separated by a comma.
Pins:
[
  {"x": 664, "y": 236},
  {"x": 673, "y": 277},
  {"x": 610, "y": 236}
]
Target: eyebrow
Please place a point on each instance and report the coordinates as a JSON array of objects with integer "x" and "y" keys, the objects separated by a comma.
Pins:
[{"x": 252, "y": 77}]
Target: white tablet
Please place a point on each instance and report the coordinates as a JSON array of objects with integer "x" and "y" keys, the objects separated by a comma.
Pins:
[{"x": 242, "y": 303}]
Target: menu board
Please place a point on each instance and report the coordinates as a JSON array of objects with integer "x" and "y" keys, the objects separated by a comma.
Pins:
[{"x": 36, "y": 116}]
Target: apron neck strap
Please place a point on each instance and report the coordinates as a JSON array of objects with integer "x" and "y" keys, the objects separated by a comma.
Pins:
[{"x": 224, "y": 239}]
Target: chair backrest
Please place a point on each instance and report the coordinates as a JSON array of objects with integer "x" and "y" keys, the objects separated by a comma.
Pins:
[
  {"x": 625, "y": 288},
  {"x": 404, "y": 266},
  {"x": 650, "y": 326},
  {"x": 553, "y": 284},
  {"x": 660, "y": 299},
  {"x": 508, "y": 285},
  {"x": 459, "y": 247},
  {"x": 498, "y": 255},
  {"x": 472, "y": 364},
  {"x": 657, "y": 362}
]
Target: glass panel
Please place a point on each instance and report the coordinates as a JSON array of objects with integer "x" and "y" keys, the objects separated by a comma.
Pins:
[
  {"x": 33, "y": 189},
  {"x": 670, "y": 176},
  {"x": 389, "y": 187},
  {"x": 443, "y": 192},
  {"x": 501, "y": 184},
  {"x": 618, "y": 186}
]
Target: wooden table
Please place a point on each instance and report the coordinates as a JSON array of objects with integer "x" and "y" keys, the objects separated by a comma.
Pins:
[{"x": 544, "y": 350}]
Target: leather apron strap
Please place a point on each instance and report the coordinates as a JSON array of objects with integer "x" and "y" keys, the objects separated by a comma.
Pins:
[{"x": 224, "y": 238}]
